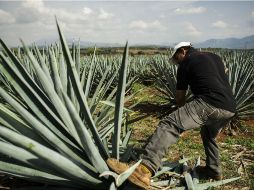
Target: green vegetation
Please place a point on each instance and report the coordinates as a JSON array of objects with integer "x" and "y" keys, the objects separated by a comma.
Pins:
[{"x": 247, "y": 142}]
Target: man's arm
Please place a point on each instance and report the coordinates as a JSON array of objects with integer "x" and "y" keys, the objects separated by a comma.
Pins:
[{"x": 180, "y": 97}]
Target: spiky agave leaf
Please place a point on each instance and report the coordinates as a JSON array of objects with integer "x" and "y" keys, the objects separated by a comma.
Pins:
[
  {"x": 119, "y": 104},
  {"x": 32, "y": 95},
  {"x": 58, "y": 162},
  {"x": 80, "y": 94}
]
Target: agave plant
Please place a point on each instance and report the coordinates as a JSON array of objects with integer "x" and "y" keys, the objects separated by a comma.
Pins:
[
  {"x": 165, "y": 74},
  {"x": 167, "y": 82},
  {"x": 240, "y": 66},
  {"x": 48, "y": 133},
  {"x": 141, "y": 66}
]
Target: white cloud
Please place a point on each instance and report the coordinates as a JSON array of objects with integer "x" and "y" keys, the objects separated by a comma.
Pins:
[
  {"x": 33, "y": 4},
  {"x": 97, "y": 21},
  {"x": 191, "y": 29},
  {"x": 87, "y": 10},
  {"x": 105, "y": 15},
  {"x": 37, "y": 11},
  {"x": 192, "y": 10},
  {"x": 6, "y": 18},
  {"x": 162, "y": 16},
  {"x": 156, "y": 24},
  {"x": 140, "y": 24},
  {"x": 219, "y": 24}
]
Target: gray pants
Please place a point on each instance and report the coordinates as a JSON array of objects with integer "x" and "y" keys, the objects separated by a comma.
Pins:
[{"x": 192, "y": 115}]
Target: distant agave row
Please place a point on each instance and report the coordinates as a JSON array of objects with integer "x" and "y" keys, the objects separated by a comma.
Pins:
[
  {"x": 140, "y": 67},
  {"x": 157, "y": 68}
]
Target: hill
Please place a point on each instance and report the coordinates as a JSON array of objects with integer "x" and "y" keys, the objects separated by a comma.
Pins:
[{"x": 230, "y": 43}]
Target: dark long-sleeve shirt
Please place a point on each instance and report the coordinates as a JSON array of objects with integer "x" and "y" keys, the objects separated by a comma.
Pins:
[{"x": 204, "y": 72}]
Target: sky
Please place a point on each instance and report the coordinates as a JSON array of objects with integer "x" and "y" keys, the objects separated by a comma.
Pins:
[{"x": 139, "y": 22}]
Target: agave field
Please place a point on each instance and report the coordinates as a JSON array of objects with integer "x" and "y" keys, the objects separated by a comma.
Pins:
[{"x": 62, "y": 114}]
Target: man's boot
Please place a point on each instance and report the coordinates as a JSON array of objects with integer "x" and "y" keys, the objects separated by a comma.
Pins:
[
  {"x": 205, "y": 172},
  {"x": 140, "y": 177}
]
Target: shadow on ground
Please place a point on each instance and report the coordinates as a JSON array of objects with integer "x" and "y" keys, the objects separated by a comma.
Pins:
[{"x": 154, "y": 109}]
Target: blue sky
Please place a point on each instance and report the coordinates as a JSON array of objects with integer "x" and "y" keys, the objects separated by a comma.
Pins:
[{"x": 150, "y": 22}]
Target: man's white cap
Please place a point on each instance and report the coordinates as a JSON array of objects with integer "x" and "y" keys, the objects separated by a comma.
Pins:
[{"x": 179, "y": 45}]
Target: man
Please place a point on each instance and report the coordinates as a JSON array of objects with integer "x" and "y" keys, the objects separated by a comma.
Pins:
[{"x": 211, "y": 109}]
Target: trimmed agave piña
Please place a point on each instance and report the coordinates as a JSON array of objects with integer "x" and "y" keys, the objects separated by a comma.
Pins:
[{"x": 47, "y": 132}]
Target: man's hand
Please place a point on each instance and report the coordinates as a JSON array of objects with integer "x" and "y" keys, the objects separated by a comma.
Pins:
[{"x": 180, "y": 97}]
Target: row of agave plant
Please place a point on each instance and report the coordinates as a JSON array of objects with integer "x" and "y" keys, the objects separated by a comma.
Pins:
[
  {"x": 157, "y": 68},
  {"x": 63, "y": 115}
]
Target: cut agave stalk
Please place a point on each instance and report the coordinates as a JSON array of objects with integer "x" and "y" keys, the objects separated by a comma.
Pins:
[
  {"x": 187, "y": 176},
  {"x": 208, "y": 185},
  {"x": 195, "y": 174},
  {"x": 167, "y": 166}
]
